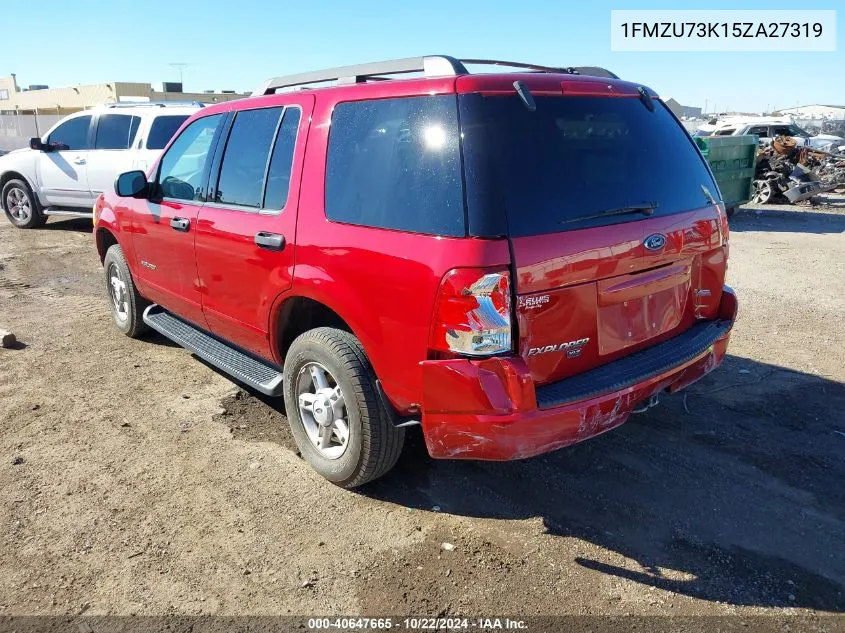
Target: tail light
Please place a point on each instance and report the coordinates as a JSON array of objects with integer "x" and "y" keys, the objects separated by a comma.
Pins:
[
  {"x": 724, "y": 231},
  {"x": 472, "y": 313}
]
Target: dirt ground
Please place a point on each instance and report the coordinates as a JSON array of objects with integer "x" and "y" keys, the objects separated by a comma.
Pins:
[{"x": 134, "y": 479}]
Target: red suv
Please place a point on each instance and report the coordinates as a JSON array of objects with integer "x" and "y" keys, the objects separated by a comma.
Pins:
[{"x": 515, "y": 261}]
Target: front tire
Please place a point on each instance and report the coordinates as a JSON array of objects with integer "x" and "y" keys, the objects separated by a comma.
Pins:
[
  {"x": 127, "y": 306},
  {"x": 20, "y": 205},
  {"x": 335, "y": 414}
]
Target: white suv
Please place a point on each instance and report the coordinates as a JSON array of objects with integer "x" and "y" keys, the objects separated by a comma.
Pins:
[
  {"x": 65, "y": 171},
  {"x": 767, "y": 129}
]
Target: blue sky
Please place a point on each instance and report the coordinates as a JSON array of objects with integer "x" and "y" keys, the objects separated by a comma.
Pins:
[{"x": 235, "y": 45}]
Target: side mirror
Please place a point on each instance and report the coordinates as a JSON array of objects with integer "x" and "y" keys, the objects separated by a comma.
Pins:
[
  {"x": 132, "y": 184},
  {"x": 36, "y": 144}
]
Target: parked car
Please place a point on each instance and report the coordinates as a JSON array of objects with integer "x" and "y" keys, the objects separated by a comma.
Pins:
[
  {"x": 515, "y": 261},
  {"x": 767, "y": 129},
  {"x": 63, "y": 172}
]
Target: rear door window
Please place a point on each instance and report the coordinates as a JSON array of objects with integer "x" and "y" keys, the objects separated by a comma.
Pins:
[
  {"x": 395, "y": 164},
  {"x": 116, "y": 131},
  {"x": 242, "y": 172},
  {"x": 163, "y": 128},
  {"x": 573, "y": 158}
]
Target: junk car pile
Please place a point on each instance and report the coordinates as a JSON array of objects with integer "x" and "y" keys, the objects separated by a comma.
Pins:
[{"x": 788, "y": 172}]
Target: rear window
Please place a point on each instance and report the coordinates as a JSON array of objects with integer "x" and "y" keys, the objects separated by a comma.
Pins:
[
  {"x": 395, "y": 164},
  {"x": 572, "y": 158},
  {"x": 163, "y": 128}
]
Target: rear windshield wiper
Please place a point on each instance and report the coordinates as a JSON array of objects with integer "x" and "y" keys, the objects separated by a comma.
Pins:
[{"x": 647, "y": 208}]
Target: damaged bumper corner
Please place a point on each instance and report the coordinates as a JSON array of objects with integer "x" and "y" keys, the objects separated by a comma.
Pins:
[{"x": 488, "y": 409}]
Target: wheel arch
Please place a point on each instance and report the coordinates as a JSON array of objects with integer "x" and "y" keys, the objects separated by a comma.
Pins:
[
  {"x": 293, "y": 315},
  {"x": 105, "y": 239},
  {"x": 11, "y": 174},
  {"x": 309, "y": 307}
]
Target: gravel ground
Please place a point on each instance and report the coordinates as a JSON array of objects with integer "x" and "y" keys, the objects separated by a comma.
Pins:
[{"x": 136, "y": 480}]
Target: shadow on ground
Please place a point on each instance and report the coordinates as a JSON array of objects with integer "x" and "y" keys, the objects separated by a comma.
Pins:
[
  {"x": 59, "y": 223},
  {"x": 798, "y": 220},
  {"x": 732, "y": 493}
]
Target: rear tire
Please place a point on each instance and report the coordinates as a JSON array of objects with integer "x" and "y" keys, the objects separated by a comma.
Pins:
[
  {"x": 351, "y": 443},
  {"x": 20, "y": 205},
  {"x": 127, "y": 306}
]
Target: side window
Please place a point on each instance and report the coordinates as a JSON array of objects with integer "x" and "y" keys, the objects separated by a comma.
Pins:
[
  {"x": 182, "y": 166},
  {"x": 72, "y": 134},
  {"x": 162, "y": 130},
  {"x": 241, "y": 180},
  {"x": 278, "y": 177},
  {"x": 395, "y": 163},
  {"x": 725, "y": 132},
  {"x": 761, "y": 130},
  {"x": 116, "y": 131}
]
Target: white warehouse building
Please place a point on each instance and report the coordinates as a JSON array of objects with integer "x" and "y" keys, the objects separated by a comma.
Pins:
[{"x": 836, "y": 113}]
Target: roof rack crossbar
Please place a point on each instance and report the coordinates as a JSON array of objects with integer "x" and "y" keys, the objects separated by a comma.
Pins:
[{"x": 430, "y": 65}]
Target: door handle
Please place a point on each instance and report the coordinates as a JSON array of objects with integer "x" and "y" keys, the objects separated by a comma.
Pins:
[
  {"x": 79, "y": 161},
  {"x": 270, "y": 241},
  {"x": 180, "y": 224}
]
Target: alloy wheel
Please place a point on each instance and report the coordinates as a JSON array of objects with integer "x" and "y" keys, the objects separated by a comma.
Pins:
[
  {"x": 763, "y": 192},
  {"x": 18, "y": 204},
  {"x": 117, "y": 292},
  {"x": 322, "y": 410}
]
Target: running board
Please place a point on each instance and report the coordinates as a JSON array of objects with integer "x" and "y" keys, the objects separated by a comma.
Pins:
[
  {"x": 67, "y": 212},
  {"x": 244, "y": 368}
]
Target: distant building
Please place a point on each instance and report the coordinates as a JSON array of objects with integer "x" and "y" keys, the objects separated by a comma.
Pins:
[
  {"x": 74, "y": 98},
  {"x": 834, "y": 112},
  {"x": 682, "y": 111}
]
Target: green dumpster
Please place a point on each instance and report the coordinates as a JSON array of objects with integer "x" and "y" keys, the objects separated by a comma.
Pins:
[{"x": 732, "y": 160}]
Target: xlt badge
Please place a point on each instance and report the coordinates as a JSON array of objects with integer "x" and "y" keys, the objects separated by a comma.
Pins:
[{"x": 572, "y": 348}]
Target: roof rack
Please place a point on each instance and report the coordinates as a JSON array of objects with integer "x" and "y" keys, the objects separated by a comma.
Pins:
[
  {"x": 154, "y": 104},
  {"x": 592, "y": 71},
  {"x": 429, "y": 65}
]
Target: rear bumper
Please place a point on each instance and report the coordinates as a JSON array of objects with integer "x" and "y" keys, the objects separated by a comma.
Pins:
[{"x": 491, "y": 410}]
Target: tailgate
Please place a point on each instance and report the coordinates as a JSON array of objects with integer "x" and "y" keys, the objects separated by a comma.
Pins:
[{"x": 590, "y": 296}]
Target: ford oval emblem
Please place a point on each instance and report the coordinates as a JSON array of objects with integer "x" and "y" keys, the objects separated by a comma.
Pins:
[{"x": 655, "y": 242}]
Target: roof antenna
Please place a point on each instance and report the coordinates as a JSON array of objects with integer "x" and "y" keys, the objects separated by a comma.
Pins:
[{"x": 525, "y": 95}]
